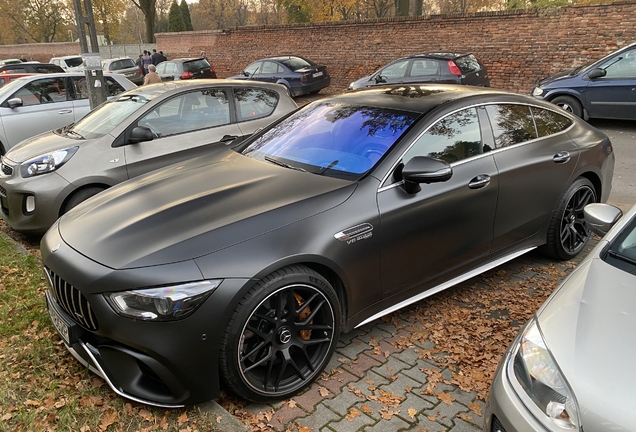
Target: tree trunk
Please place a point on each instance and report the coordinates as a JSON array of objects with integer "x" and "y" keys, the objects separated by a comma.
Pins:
[{"x": 402, "y": 7}]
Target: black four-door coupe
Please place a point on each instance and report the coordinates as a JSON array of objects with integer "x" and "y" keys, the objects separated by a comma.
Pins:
[
  {"x": 244, "y": 266},
  {"x": 299, "y": 75}
]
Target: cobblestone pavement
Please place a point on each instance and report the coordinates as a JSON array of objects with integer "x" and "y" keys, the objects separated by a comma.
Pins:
[{"x": 370, "y": 389}]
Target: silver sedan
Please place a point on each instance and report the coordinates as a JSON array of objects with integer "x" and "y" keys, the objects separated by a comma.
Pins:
[{"x": 570, "y": 368}]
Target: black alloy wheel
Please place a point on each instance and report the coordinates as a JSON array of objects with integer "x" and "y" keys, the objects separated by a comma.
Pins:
[
  {"x": 568, "y": 233},
  {"x": 282, "y": 336}
]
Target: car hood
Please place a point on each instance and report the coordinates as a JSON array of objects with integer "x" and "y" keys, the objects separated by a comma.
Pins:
[
  {"x": 195, "y": 208},
  {"x": 362, "y": 83},
  {"x": 589, "y": 327},
  {"x": 40, "y": 144},
  {"x": 556, "y": 78}
]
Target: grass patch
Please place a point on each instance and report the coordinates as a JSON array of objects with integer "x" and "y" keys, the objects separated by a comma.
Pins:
[{"x": 43, "y": 387}]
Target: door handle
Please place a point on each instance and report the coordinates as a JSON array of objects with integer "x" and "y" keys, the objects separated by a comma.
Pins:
[
  {"x": 481, "y": 181},
  {"x": 561, "y": 157},
  {"x": 65, "y": 111},
  {"x": 228, "y": 138}
]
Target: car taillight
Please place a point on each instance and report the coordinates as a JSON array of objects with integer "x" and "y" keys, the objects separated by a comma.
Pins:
[
  {"x": 187, "y": 75},
  {"x": 304, "y": 77},
  {"x": 453, "y": 68},
  {"x": 212, "y": 69}
]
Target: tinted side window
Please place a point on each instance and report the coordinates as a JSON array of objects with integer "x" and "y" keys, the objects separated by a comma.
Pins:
[
  {"x": 269, "y": 68},
  {"x": 253, "y": 68},
  {"x": 546, "y": 122},
  {"x": 511, "y": 124},
  {"x": 453, "y": 138},
  {"x": 424, "y": 67},
  {"x": 48, "y": 69},
  {"x": 254, "y": 103},
  {"x": 189, "y": 112},
  {"x": 113, "y": 87},
  {"x": 15, "y": 69},
  {"x": 396, "y": 70},
  {"x": 468, "y": 64}
]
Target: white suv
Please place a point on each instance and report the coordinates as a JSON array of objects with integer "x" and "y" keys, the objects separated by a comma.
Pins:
[{"x": 73, "y": 63}]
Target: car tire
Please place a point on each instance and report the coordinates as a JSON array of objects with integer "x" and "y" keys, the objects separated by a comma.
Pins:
[
  {"x": 569, "y": 104},
  {"x": 568, "y": 232},
  {"x": 80, "y": 196},
  {"x": 271, "y": 351}
]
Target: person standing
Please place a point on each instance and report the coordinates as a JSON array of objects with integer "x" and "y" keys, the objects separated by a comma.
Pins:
[
  {"x": 152, "y": 77},
  {"x": 146, "y": 60},
  {"x": 140, "y": 64},
  {"x": 163, "y": 57},
  {"x": 155, "y": 57}
]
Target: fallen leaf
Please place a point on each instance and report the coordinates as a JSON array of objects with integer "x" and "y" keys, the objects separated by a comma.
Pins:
[
  {"x": 7, "y": 416},
  {"x": 218, "y": 419},
  {"x": 412, "y": 412},
  {"x": 323, "y": 391},
  {"x": 182, "y": 418},
  {"x": 146, "y": 415},
  {"x": 387, "y": 414},
  {"x": 292, "y": 403},
  {"x": 366, "y": 409},
  {"x": 109, "y": 418},
  {"x": 475, "y": 407},
  {"x": 445, "y": 397},
  {"x": 465, "y": 417},
  {"x": 353, "y": 413}
]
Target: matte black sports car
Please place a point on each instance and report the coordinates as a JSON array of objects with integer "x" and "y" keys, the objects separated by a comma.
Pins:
[{"x": 245, "y": 265}]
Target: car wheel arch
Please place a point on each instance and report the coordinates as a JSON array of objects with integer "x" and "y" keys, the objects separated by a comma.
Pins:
[
  {"x": 286, "y": 84},
  {"x": 78, "y": 190}
]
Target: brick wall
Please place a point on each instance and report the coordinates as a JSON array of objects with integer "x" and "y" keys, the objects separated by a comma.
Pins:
[{"x": 518, "y": 47}]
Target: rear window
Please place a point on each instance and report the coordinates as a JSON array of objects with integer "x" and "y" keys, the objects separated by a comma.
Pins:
[
  {"x": 48, "y": 69},
  {"x": 196, "y": 65},
  {"x": 468, "y": 64},
  {"x": 549, "y": 122},
  {"x": 74, "y": 61},
  {"x": 122, "y": 64},
  {"x": 296, "y": 63}
]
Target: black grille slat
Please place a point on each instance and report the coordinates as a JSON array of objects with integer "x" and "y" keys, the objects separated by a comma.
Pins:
[
  {"x": 7, "y": 170},
  {"x": 73, "y": 302},
  {"x": 3, "y": 192}
]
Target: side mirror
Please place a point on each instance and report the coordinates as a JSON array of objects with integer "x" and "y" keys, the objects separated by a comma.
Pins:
[
  {"x": 596, "y": 73},
  {"x": 15, "y": 103},
  {"x": 245, "y": 74},
  {"x": 601, "y": 218},
  {"x": 380, "y": 79},
  {"x": 422, "y": 169},
  {"x": 140, "y": 134}
]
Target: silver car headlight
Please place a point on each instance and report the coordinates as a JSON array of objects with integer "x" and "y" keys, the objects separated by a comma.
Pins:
[
  {"x": 162, "y": 304},
  {"x": 538, "y": 91},
  {"x": 46, "y": 163},
  {"x": 540, "y": 384}
]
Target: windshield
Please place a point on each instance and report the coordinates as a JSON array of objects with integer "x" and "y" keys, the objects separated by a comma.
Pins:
[
  {"x": 335, "y": 140},
  {"x": 102, "y": 120},
  {"x": 602, "y": 63},
  {"x": 296, "y": 63},
  {"x": 624, "y": 247}
]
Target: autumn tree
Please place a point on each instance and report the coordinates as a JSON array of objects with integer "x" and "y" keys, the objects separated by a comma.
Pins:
[
  {"x": 175, "y": 19},
  {"x": 147, "y": 7},
  {"x": 298, "y": 11},
  {"x": 108, "y": 15},
  {"x": 185, "y": 13},
  {"x": 39, "y": 20}
]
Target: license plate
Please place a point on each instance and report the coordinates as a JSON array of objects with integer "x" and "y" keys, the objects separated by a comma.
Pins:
[
  {"x": 58, "y": 322},
  {"x": 317, "y": 74}
]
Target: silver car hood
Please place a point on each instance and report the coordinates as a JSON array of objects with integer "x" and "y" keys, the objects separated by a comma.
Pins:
[
  {"x": 39, "y": 145},
  {"x": 589, "y": 326}
]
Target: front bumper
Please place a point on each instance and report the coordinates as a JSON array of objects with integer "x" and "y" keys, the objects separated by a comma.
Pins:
[
  {"x": 165, "y": 364},
  {"x": 46, "y": 192}
]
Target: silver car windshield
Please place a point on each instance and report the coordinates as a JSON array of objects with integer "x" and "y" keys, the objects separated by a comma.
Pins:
[
  {"x": 106, "y": 117},
  {"x": 335, "y": 140}
]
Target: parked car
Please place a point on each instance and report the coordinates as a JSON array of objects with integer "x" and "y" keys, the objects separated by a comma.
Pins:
[
  {"x": 185, "y": 68},
  {"x": 9, "y": 61},
  {"x": 8, "y": 77},
  {"x": 249, "y": 262},
  {"x": 602, "y": 89},
  {"x": 125, "y": 66},
  {"x": 569, "y": 367},
  {"x": 30, "y": 67},
  {"x": 434, "y": 67},
  {"x": 299, "y": 75},
  {"x": 71, "y": 63},
  {"x": 40, "y": 103},
  {"x": 139, "y": 131}
]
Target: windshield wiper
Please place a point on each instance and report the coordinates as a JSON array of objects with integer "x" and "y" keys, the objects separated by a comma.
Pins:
[
  {"x": 283, "y": 164},
  {"x": 622, "y": 257},
  {"x": 328, "y": 167},
  {"x": 75, "y": 134}
]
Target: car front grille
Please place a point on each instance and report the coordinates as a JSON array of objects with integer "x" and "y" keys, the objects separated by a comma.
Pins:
[
  {"x": 72, "y": 301},
  {"x": 6, "y": 169}
]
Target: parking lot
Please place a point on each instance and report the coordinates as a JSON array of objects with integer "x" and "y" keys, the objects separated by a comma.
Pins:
[{"x": 428, "y": 368}]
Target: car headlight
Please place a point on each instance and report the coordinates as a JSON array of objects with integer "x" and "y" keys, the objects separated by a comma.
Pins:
[
  {"x": 536, "y": 378},
  {"x": 538, "y": 91},
  {"x": 163, "y": 303},
  {"x": 351, "y": 85},
  {"x": 47, "y": 162}
]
